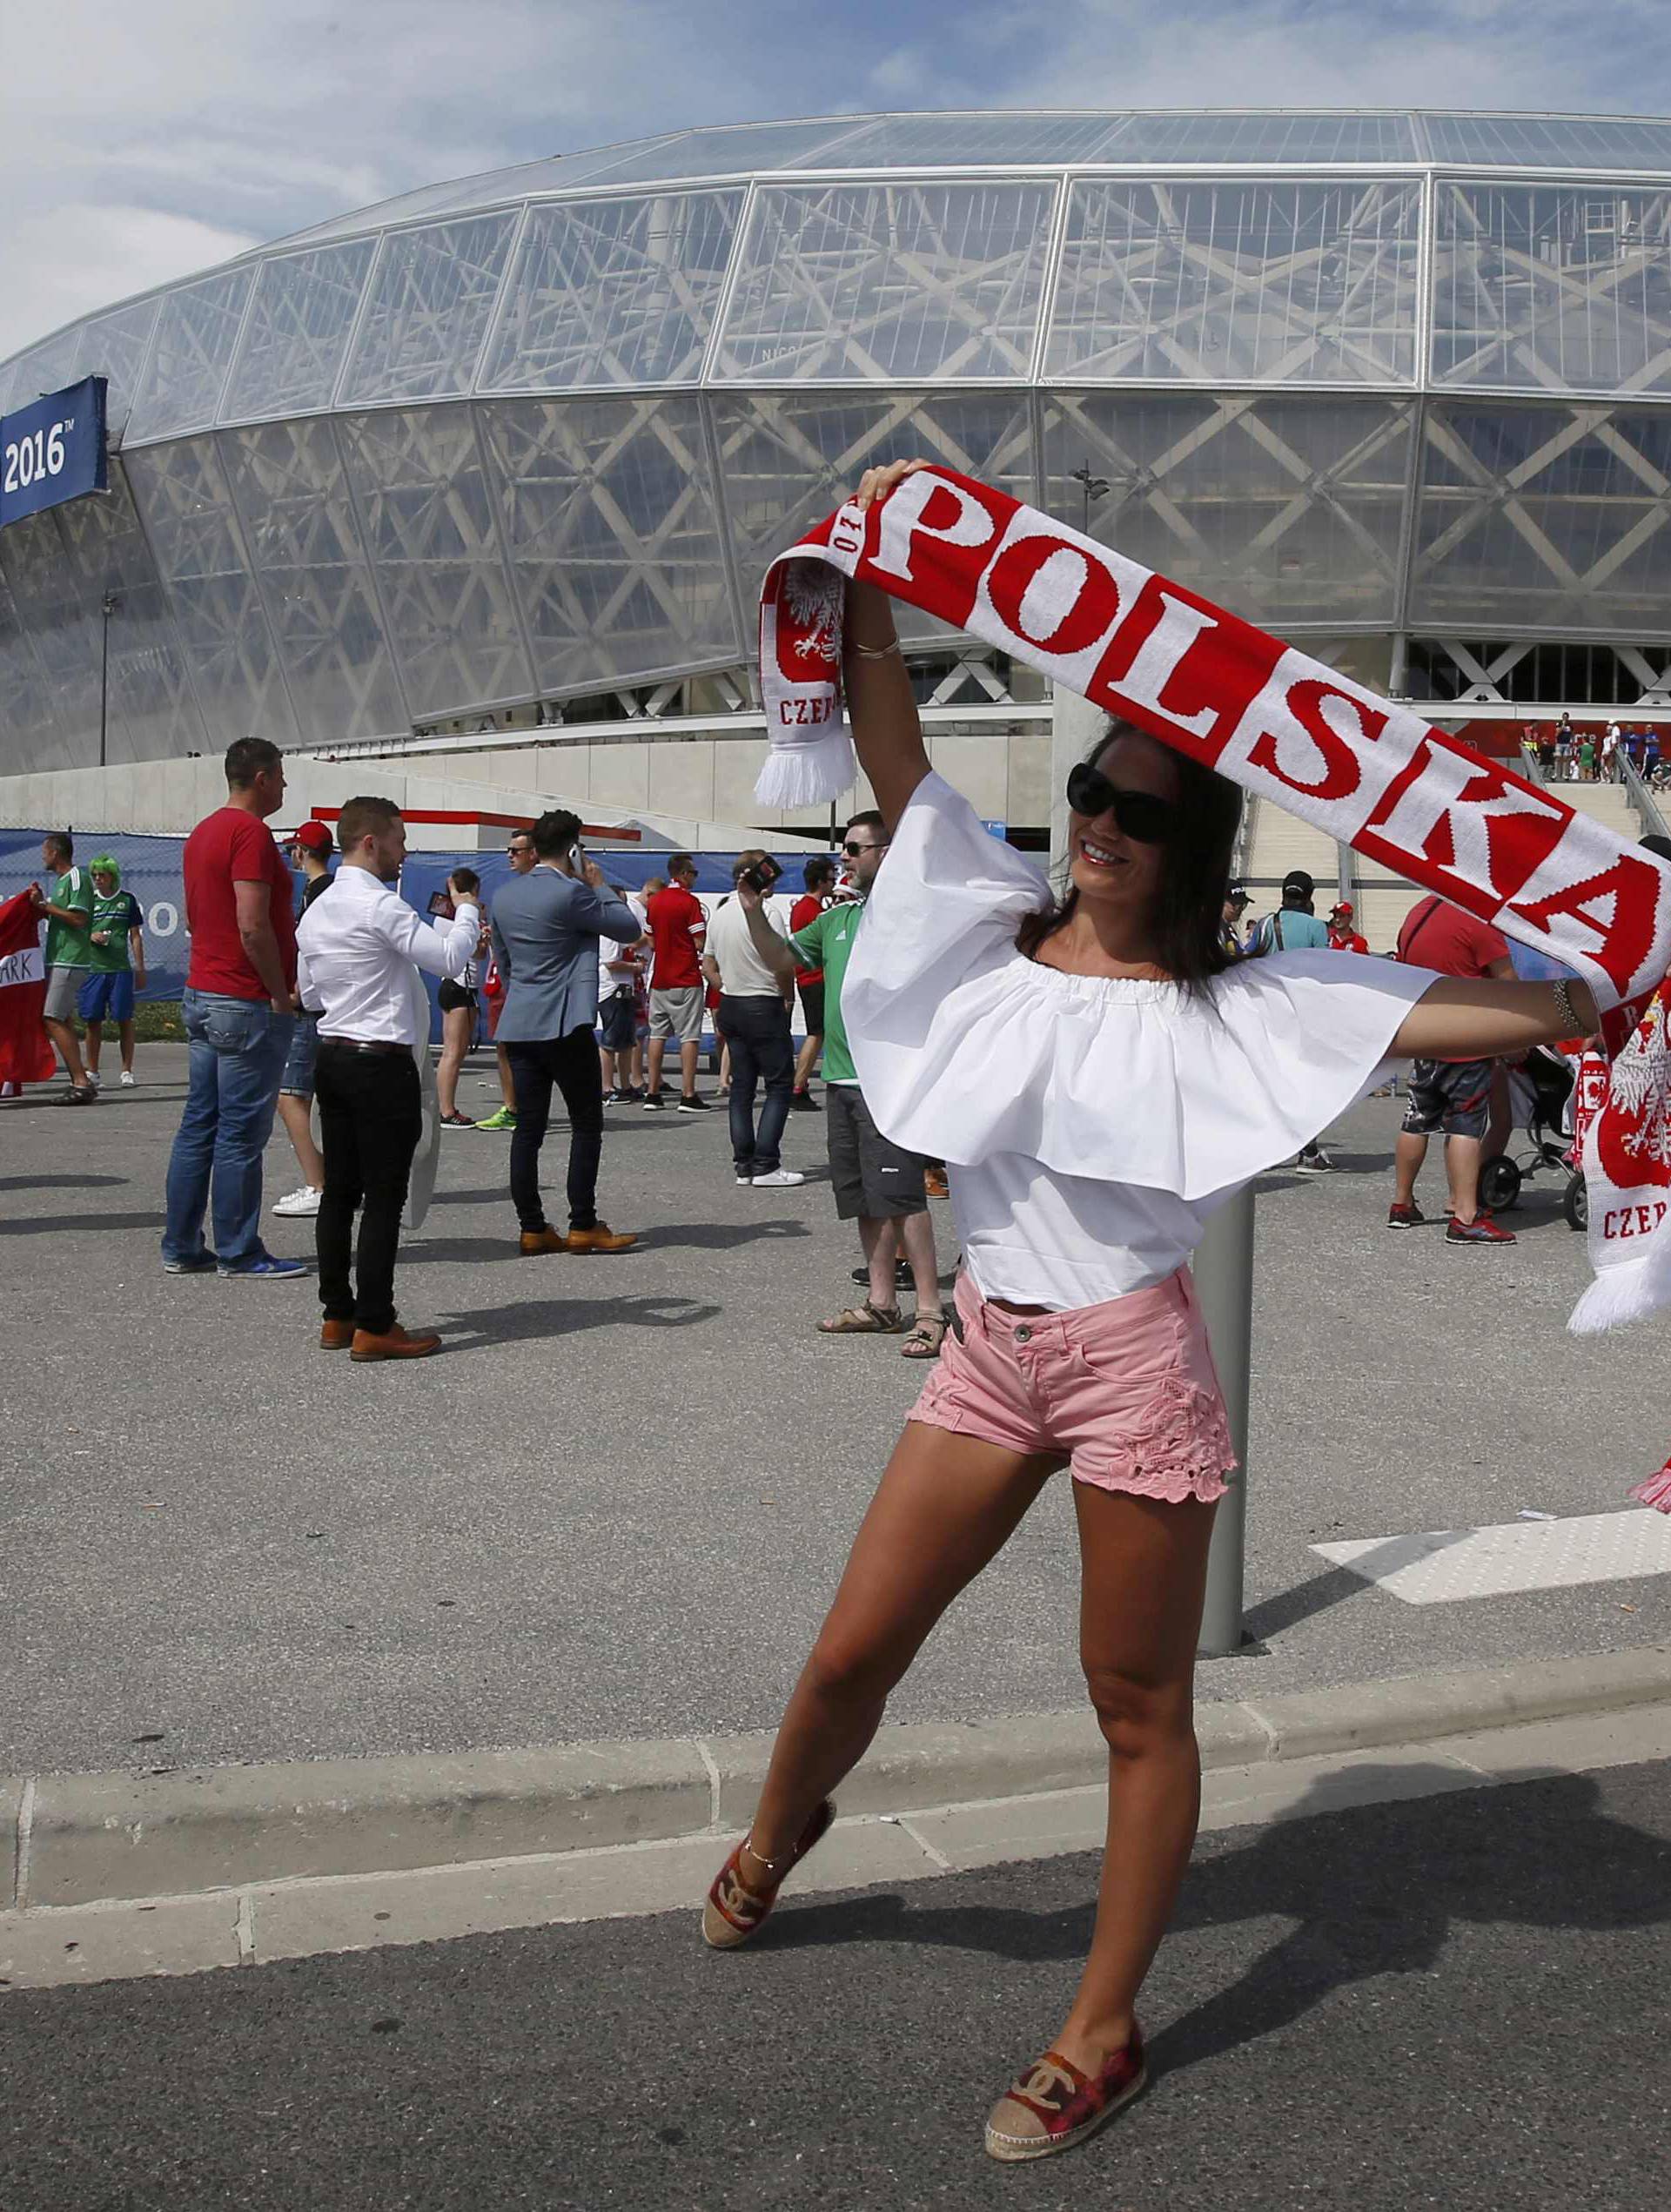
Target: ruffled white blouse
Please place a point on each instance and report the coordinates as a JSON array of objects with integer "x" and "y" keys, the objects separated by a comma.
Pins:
[{"x": 1091, "y": 1125}]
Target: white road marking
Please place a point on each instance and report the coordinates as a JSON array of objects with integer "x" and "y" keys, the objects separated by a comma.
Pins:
[{"x": 1443, "y": 1565}]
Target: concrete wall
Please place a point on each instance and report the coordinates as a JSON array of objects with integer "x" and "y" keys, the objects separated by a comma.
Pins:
[
  {"x": 1004, "y": 775},
  {"x": 701, "y": 791}
]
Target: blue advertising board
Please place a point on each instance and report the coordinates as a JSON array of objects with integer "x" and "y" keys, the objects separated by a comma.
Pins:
[{"x": 53, "y": 450}]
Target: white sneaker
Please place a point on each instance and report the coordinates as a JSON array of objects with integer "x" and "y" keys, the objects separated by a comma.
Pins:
[
  {"x": 780, "y": 1178},
  {"x": 306, "y": 1200},
  {"x": 95, "y": 1080},
  {"x": 129, "y": 1078}
]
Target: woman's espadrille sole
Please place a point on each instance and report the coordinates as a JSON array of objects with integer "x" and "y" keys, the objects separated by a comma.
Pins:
[
  {"x": 1013, "y": 2149},
  {"x": 733, "y": 1911}
]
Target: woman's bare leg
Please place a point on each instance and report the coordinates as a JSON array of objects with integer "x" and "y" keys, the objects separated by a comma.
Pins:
[
  {"x": 456, "y": 1024},
  {"x": 946, "y": 1506},
  {"x": 1143, "y": 1569},
  {"x": 297, "y": 1114}
]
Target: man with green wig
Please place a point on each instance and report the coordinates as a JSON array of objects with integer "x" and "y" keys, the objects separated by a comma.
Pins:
[{"x": 116, "y": 967}]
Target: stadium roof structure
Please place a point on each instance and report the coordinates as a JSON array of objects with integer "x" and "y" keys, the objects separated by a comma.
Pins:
[{"x": 531, "y": 436}]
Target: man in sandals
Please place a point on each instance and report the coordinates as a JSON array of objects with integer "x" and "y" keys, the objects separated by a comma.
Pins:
[{"x": 876, "y": 1183}]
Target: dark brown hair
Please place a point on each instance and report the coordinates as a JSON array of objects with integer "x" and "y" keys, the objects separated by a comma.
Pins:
[
  {"x": 248, "y": 757},
  {"x": 1189, "y": 911},
  {"x": 364, "y": 817}
]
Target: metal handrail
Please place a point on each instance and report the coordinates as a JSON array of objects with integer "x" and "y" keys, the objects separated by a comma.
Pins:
[{"x": 1641, "y": 799}]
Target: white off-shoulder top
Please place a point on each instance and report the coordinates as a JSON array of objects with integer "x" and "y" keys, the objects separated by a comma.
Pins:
[{"x": 1091, "y": 1125}]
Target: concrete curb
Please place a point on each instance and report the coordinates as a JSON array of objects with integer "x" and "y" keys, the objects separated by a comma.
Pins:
[{"x": 85, "y": 1838}]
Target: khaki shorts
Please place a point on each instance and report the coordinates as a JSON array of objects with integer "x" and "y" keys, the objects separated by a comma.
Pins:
[
  {"x": 63, "y": 990},
  {"x": 678, "y": 1013}
]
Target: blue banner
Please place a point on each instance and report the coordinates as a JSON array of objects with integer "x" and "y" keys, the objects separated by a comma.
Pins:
[
  {"x": 53, "y": 450},
  {"x": 151, "y": 869}
]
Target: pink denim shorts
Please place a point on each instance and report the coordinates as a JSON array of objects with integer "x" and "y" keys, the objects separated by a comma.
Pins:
[{"x": 1127, "y": 1391}]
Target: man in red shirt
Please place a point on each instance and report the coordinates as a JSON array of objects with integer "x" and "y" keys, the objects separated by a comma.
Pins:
[
  {"x": 677, "y": 927},
  {"x": 239, "y": 1006},
  {"x": 1343, "y": 935},
  {"x": 1454, "y": 1095},
  {"x": 819, "y": 876}
]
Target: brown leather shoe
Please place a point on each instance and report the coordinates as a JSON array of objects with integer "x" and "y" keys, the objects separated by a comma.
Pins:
[
  {"x": 602, "y": 1238},
  {"x": 534, "y": 1240},
  {"x": 394, "y": 1344},
  {"x": 336, "y": 1336}
]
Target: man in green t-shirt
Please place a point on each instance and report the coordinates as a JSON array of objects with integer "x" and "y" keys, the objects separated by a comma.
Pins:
[
  {"x": 117, "y": 969},
  {"x": 68, "y": 911},
  {"x": 876, "y": 1182}
]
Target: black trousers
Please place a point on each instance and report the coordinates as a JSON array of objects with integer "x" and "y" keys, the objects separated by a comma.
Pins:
[
  {"x": 757, "y": 1030},
  {"x": 571, "y": 1064},
  {"x": 371, "y": 1117}
]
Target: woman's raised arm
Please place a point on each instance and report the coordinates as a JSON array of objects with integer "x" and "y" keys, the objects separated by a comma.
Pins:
[
  {"x": 880, "y": 707},
  {"x": 1462, "y": 1019}
]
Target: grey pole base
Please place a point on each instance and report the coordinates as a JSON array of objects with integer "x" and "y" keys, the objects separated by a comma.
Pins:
[{"x": 1223, "y": 1282}]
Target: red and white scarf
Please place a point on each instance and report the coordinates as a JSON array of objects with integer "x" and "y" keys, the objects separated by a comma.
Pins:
[
  {"x": 1624, "y": 1147},
  {"x": 26, "y": 1054},
  {"x": 1368, "y": 771}
]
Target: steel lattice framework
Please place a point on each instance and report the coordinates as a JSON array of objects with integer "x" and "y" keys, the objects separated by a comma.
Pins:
[{"x": 1399, "y": 383}]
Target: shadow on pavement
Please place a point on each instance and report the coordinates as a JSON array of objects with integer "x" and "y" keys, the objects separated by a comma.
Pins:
[
  {"x": 720, "y": 1236},
  {"x": 60, "y": 1182},
  {"x": 1303, "y": 1603},
  {"x": 1370, "y": 1889},
  {"x": 78, "y": 1224},
  {"x": 555, "y": 1317}
]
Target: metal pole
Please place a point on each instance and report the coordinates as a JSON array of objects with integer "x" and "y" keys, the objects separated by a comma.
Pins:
[
  {"x": 1223, "y": 1282},
  {"x": 104, "y": 678}
]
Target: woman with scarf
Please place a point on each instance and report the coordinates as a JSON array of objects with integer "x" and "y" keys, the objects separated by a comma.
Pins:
[{"x": 1100, "y": 1075}]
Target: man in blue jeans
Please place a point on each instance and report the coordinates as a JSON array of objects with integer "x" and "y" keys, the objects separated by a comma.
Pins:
[{"x": 238, "y": 1004}]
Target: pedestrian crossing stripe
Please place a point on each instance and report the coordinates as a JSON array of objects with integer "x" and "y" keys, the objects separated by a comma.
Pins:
[{"x": 1442, "y": 1566}]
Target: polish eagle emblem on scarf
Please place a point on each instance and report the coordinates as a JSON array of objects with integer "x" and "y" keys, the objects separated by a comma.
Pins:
[
  {"x": 814, "y": 595},
  {"x": 1633, "y": 1135}
]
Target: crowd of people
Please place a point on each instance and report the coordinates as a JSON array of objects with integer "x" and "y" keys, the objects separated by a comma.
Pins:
[
  {"x": 585, "y": 988},
  {"x": 1569, "y": 754},
  {"x": 295, "y": 1008}
]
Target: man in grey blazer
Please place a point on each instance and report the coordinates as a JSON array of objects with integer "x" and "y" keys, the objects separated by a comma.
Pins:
[{"x": 546, "y": 930}]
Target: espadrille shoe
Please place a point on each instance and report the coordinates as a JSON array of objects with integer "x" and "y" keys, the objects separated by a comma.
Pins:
[
  {"x": 1053, "y": 2106},
  {"x": 734, "y": 1910}
]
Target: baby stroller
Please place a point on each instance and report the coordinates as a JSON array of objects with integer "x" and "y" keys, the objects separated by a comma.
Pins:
[{"x": 1540, "y": 1093}]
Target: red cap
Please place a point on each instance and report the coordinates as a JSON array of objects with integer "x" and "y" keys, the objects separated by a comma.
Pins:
[
  {"x": 1344, "y": 907},
  {"x": 314, "y": 836}
]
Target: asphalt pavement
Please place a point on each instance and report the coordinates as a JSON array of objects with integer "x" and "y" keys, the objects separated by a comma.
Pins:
[
  {"x": 1454, "y": 2001},
  {"x": 617, "y": 1503}
]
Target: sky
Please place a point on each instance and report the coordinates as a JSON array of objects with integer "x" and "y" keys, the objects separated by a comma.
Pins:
[{"x": 142, "y": 139}]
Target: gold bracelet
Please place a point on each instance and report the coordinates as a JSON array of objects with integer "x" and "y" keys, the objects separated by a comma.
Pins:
[{"x": 872, "y": 652}]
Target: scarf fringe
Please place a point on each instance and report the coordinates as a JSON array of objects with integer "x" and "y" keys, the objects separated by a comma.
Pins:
[
  {"x": 1626, "y": 1291},
  {"x": 813, "y": 774},
  {"x": 1656, "y": 1491}
]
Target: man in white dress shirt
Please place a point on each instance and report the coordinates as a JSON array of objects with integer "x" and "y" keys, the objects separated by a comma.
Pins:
[{"x": 361, "y": 955}]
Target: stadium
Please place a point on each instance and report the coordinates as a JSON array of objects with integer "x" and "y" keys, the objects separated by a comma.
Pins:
[{"x": 492, "y": 471}]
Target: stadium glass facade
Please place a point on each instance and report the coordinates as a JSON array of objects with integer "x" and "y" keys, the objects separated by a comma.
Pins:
[{"x": 1398, "y": 383}]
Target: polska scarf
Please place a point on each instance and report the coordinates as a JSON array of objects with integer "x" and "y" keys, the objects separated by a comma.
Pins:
[
  {"x": 1371, "y": 773},
  {"x": 1368, "y": 771}
]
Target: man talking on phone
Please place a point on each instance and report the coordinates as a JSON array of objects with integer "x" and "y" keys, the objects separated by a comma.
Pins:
[{"x": 546, "y": 930}]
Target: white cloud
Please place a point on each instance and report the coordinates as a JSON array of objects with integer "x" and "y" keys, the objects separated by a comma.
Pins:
[
  {"x": 62, "y": 261},
  {"x": 139, "y": 141}
]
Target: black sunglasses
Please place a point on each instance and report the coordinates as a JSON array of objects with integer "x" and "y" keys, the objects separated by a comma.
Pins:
[
  {"x": 853, "y": 851},
  {"x": 1139, "y": 815}
]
